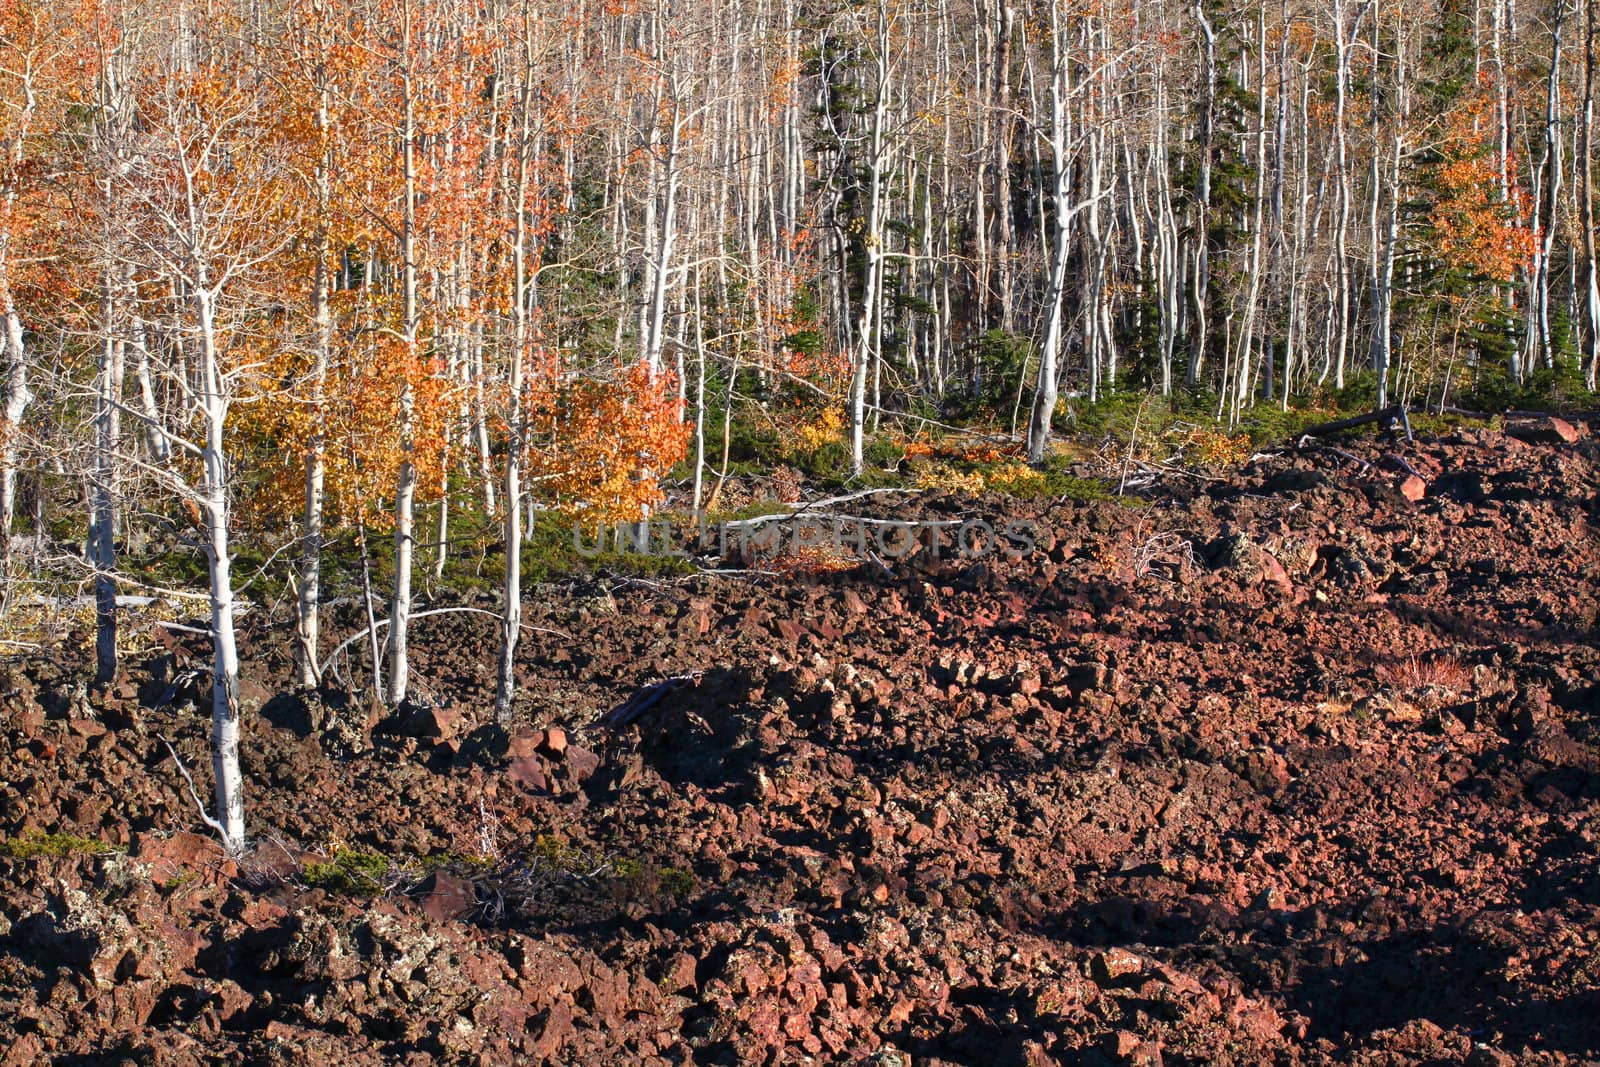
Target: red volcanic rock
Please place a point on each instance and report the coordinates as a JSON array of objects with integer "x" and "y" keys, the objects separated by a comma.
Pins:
[
  {"x": 581, "y": 762},
  {"x": 181, "y": 857},
  {"x": 530, "y": 773},
  {"x": 1114, "y": 965},
  {"x": 924, "y": 829},
  {"x": 1548, "y": 431},
  {"x": 444, "y": 897},
  {"x": 555, "y": 741}
]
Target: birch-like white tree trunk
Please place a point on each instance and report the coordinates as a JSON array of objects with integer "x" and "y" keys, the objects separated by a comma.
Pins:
[
  {"x": 225, "y": 666},
  {"x": 405, "y": 496},
  {"x": 1047, "y": 390}
]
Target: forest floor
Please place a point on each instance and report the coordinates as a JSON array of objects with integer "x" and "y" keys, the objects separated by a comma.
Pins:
[{"x": 1280, "y": 766}]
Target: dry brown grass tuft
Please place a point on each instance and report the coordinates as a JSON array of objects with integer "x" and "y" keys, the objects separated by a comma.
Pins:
[{"x": 1418, "y": 673}]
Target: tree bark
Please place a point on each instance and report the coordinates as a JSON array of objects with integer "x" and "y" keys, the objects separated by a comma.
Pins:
[
  {"x": 225, "y": 666},
  {"x": 406, "y": 482}
]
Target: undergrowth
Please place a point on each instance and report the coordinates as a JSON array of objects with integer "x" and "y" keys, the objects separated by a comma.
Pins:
[{"x": 36, "y": 843}]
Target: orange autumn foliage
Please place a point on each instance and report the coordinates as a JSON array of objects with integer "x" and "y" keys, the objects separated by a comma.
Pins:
[
  {"x": 45, "y": 56},
  {"x": 1480, "y": 225},
  {"x": 358, "y": 417},
  {"x": 599, "y": 447}
]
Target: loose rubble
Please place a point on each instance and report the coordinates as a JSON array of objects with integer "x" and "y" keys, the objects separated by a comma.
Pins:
[{"x": 1296, "y": 766}]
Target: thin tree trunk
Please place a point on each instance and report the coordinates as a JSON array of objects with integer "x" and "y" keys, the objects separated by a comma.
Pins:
[
  {"x": 406, "y": 482},
  {"x": 225, "y": 668},
  {"x": 1545, "y": 221},
  {"x": 1202, "y": 268},
  {"x": 17, "y": 398},
  {"x": 102, "y": 515},
  {"x": 1591, "y": 268},
  {"x": 869, "y": 324},
  {"x": 511, "y": 627},
  {"x": 1045, "y": 395},
  {"x": 307, "y": 630}
]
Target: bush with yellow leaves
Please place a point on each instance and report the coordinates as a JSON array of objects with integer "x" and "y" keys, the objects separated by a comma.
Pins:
[
  {"x": 945, "y": 477},
  {"x": 826, "y": 426},
  {"x": 1215, "y": 448},
  {"x": 1015, "y": 478}
]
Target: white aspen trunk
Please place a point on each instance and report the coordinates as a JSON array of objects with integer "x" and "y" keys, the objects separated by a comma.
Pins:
[
  {"x": 1590, "y": 266},
  {"x": 1169, "y": 269},
  {"x": 17, "y": 396},
  {"x": 1003, "y": 240},
  {"x": 406, "y": 482},
  {"x": 983, "y": 173},
  {"x": 1341, "y": 235},
  {"x": 1278, "y": 250},
  {"x": 511, "y": 624},
  {"x": 15, "y": 406},
  {"x": 1296, "y": 273},
  {"x": 1101, "y": 355},
  {"x": 225, "y": 668},
  {"x": 869, "y": 322},
  {"x": 480, "y": 421},
  {"x": 666, "y": 220},
  {"x": 155, "y": 438},
  {"x": 699, "y": 396},
  {"x": 649, "y": 229},
  {"x": 1378, "y": 349},
  {"x": 1046, "y": 394},
  {"x": 1242, "y": 391},
  {"x": 1199, "y": 335},
  {"x": 1545, "y": 220},
  {"x": 1383, "y": 266},
  {"x": 308, "y": 621}
]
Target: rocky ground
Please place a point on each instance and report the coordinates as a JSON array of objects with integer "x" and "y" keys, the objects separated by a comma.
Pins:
[{"x": 1300, "y": 763}]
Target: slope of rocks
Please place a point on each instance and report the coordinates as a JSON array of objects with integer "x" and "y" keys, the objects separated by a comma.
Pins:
[{"x": 1297, "y": 764}]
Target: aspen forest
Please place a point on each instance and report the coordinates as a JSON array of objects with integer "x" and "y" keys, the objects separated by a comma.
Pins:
[{"x": 835, "y": 531}]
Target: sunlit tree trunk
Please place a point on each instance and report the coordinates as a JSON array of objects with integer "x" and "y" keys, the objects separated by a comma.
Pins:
[
  {"x": 1199, "y": 334},
  {"x": 307, "y": 630},
  {"x": 1545, "y": 219},
  {"x": 521, "y": 144},
  {"x": 1586, "y": 219},
  {"x": 406, "y": 482},
  {"x": 869, "y": 321},
  {"x": 214, "y": 496},
  {"x": 1047, "y": 389}
]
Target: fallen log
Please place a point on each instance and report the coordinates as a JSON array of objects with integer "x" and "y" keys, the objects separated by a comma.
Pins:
[
  {"x": 1394, "y": 412},
  {"x": 809, "y": 508},
  {"x": 1403, "y": 465},
  {"x": 1517, "y": 413},
  {"x": 642, "y": 701}
]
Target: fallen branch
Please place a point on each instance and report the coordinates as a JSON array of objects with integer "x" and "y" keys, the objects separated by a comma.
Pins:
[
  {"x": 1342, "y": 454},
  {"x": 182, "y": 629},
  {"x": 1391, "y": 413},
  {"x": 1167, "y": 468},
  {"x": 1405, "y": 465},
  {"x": 830, "y": 516},
  {"x": 124, "y": 600},
  {"x": 642, "y": 701},
  {"x": 228, "y": 844},
  {"x": 1513, "y": 413},
  {"x": 806, "y": 507},
  {"x": 998, "y": 438}
]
